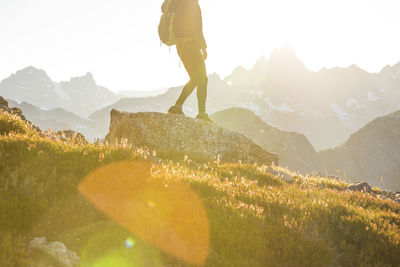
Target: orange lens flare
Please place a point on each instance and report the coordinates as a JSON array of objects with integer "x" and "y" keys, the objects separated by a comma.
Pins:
[{"x": 165, "y": 213}]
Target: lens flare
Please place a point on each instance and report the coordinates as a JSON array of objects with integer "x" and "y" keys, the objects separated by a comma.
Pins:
[
  {"x": 171, "y": 218},
  {"x": 106, "y": 245},
  {"x": 129, "y": 243}
]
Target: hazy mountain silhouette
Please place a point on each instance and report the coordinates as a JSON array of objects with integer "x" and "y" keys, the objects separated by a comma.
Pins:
[
  {"x": 57, "y": 119},
  {"x": 370, "y": 153},
  {"x": 293, "y": 149},
  {"x": 80, "y": 95},
  {"x": 137, "y": 94},
  {"x": 327, "y": 106}
]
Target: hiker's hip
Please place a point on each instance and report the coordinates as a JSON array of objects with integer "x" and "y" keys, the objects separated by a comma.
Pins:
[{"x": 192, "y": 59}]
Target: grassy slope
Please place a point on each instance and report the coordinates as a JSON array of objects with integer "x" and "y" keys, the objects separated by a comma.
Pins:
[{"x": 255, "y": 219}]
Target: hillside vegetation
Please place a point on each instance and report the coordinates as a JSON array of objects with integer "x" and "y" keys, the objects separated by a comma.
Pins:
[{"x": 255, "y": 219}]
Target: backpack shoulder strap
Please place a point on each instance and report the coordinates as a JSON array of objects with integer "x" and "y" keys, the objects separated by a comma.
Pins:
[
  {"x": 166, "y": 6},
  {"x": 171, "y": 5}
]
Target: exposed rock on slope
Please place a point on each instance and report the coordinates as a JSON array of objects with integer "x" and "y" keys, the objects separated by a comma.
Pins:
[
  {"x": 179, "y": 135},
  {"x": 4, "y": 107},
  {"x": 370, "y": 153},
  {"x": 293, "y": 149},
  {"x": 57, "y": 251}
]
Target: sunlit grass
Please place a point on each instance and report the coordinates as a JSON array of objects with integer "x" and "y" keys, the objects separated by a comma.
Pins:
[{"x": 255, "y": 219}]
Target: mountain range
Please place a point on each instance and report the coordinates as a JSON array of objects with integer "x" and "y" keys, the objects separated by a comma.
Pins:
[
  {"x": 347, "y": 114},
  {"x": 80, "y": 95},
  {"x": 326, "y": 106},
  {"x": 371, "y": 154},
  {"x": 57, "y": 119}
]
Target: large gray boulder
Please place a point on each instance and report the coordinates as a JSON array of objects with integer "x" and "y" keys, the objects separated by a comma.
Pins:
[{"x": 178, "y": 136}]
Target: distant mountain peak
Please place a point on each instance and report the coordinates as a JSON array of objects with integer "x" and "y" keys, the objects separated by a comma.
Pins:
[
  {"x": 239, "y": 70},
  {"x": 285, "y": 58},
  {"x": 261, "y": 63},
  {"x": 394, "y": 70},
  {"x": 87, "y": 79},
  {"x": 355, "y": 67},
  {"x": 32, "y": 72},
  {"x": 396, "y": 67},
  {"x": 89, "y": 75},
  {"x": 30, "y": 69}
]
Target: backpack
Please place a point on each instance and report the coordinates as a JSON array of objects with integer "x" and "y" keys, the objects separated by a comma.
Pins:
[{"x": 171, "y": 29}]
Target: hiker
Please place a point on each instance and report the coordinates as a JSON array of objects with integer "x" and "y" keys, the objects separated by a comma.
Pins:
[{"x": 187, "y": 31}]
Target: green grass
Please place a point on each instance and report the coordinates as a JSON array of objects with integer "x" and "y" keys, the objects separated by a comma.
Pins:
[
  {"x": 255, "y": 219},
  {"x": 11, "y": 123}
]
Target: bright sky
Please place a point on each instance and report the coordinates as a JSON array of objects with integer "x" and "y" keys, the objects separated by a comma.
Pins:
[{"x": 118, "y": 42}]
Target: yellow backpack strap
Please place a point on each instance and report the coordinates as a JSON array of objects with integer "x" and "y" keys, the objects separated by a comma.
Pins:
[{"x": 167, "y": 6}]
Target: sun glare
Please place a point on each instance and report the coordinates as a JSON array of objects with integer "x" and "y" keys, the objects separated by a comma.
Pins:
[{"x": 172, "y": 218}]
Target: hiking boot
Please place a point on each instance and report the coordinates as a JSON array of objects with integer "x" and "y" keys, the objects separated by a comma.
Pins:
[
  {"x": 176, "y": 110},
  {"x": 204, "y": 117}
]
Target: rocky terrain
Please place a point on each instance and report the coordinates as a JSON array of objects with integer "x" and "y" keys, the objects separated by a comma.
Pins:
[{"x": 183, "y": 136}]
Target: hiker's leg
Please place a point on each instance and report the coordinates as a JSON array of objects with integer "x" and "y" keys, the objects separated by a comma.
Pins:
[
  {"x": 202, "y": 89},
  {"x": 192, "y": 60},
  {"x": 186, "y": 91}
]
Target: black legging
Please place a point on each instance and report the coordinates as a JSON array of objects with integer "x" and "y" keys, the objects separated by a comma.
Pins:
[{"x": 195, "y": 66}]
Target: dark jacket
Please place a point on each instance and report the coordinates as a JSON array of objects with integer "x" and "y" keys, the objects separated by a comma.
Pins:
[{"x": 188, "y": 20}]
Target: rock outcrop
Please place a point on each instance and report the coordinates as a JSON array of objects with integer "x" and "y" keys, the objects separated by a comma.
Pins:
[
  {"x": 57, "y": 251},
  {"x": 72, "y": 136},
  {"x": 3, "y": 102},
  {"x": 361, "y": 187},
  {"x": 180, "y": 136},
  {"x": 4, "y": 107},
  {"x": 281, "y": 173}
]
